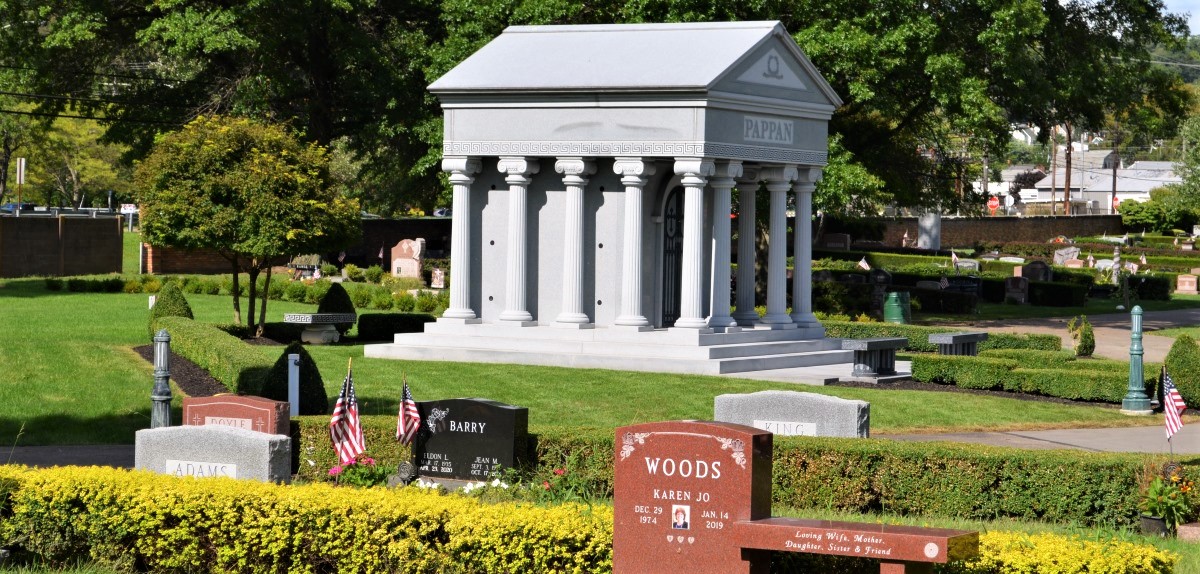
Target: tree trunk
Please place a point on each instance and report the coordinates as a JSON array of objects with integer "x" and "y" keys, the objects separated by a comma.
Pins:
[
  {"x": 237, "y": 300},
  {"x": 1067, "y": 174},
  {"x": 262, "y": 313},
  {"x": 252, "y": 272}
]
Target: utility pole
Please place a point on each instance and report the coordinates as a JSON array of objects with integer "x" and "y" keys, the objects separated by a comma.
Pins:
[
  {"x": 1053, "y": 170},
  {"x": 1067, "y": 176}
]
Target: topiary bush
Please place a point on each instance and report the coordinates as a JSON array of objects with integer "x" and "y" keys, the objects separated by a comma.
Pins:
[
  {"x": 170, "y": 303},
  {"x": 1183, "y": 364},
  {"x": 1081, "y": 333},
  {"x": 373, "y": 274},
  {"x": 313, "y": 400},
  {"x": 336, "y": 300}
]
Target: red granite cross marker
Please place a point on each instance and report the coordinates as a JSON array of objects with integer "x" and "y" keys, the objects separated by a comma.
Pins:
[{"x": 695, "y": 497}]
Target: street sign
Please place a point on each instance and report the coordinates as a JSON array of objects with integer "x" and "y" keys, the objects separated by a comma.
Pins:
[
  {"x": 1116, "y": 202},
  {"x": 20, "y": 171},
  {"x": 993, "y": 202},
  {"x": 129, "y": 208}
]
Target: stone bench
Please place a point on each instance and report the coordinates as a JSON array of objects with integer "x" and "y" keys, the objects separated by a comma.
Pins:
[
  {"x": 958, "y": 343},
  {"x": 874, "y": 357},
  {"x": 320, "y": 329}
]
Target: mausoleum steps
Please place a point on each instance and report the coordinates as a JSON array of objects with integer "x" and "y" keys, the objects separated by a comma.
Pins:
[{"x": 655, "y": 351}]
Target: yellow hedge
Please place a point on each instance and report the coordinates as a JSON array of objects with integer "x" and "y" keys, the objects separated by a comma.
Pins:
[
  {"x": 134, "y": 520},
  {"x": 139, "y": 520}
]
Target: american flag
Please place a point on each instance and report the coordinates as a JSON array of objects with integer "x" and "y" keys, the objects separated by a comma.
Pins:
[
  {"x": 1173, "y": 405},
  {"x": 863, "y": 263},
  {"x": 1143, "y": 259},
  {"x": 944, "y": 283},
  {"x": 954, "y": 258},
  {"x": 409, "y": 419},
  {"x": 344, "y": 427}
]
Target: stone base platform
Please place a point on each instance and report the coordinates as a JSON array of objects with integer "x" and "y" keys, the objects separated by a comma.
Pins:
[{"x": 688, "y": 351}]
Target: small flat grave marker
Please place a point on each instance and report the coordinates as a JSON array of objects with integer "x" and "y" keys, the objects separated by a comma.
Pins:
[
  {"x": 244, "y": 412},
  {"x": 467, "y": 439}
]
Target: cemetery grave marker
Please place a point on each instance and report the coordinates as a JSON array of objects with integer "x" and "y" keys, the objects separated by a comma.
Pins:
[
  {"x": 1037, "y": 271},
  {"x": 791, "y": 413},
  {"x": 214, "y": 450},
  {"x": 468, "y": 439},
  {"x": 1185, "y": 284},
  {"x": 407, "y": 256},
  {"x": 244, "y": 412},
  {"x": 1062, "y": 255},
  {"x": 693, "y": 496}
]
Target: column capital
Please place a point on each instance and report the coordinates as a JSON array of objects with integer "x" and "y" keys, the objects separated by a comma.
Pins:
[
  {"x": 695, "y": 166},
  {"x": 750, "y": 175},
  {"x": 779, "y": 176},
  {"x": 575, "y": 166},
  {"x": 518, "y": 166},
  {"x": 807, "y": 178},
  {"x": 634, "y": 167},
  {"x": 726, "y": 173},
  {"x": 462, "y": 165}
]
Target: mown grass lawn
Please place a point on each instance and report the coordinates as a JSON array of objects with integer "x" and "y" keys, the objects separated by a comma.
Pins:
[{"x": 68, "y": 376}]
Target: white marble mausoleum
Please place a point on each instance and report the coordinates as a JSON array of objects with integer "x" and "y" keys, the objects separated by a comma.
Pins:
[{"x": 593, "y": 169}]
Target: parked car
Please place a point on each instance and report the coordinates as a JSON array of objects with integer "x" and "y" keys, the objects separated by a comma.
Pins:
[{"x": 10, "y": 207}]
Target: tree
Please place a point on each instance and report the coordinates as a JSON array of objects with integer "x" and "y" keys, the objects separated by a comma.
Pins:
[
  {"x": 249, "y": 190},
  {"x": 73, "y": 166}
]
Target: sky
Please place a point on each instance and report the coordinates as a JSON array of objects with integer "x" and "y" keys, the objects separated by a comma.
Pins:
[{"x": 1186, "y": 6}]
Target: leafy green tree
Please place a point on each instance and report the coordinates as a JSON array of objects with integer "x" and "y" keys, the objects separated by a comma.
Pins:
[
  {"x": 251, "y": 191},
  {"x": 74, "y": 166}
]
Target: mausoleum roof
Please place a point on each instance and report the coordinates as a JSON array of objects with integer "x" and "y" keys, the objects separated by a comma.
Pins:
[{"x": 688, "y": 57}]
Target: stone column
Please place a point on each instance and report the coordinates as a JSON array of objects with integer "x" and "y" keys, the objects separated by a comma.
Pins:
[
  {"x": 635, "y": 173},
  {"x": 462, "y": 171},
  {"x": 726, "y": 174},
  {"x": 779, "y": 180},
  {"x": 519, "y": 172},
  {"x": 695, "y": 172},
  {"x": 802, "y": 314},
  {"x": 575, "y": 171},
  {"x": 745, "y": 315}
]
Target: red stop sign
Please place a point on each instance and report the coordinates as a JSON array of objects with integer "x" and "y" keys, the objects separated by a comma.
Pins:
[
  {"x": 1116, "y": 202},
  {"x": 993, "y": 202}
]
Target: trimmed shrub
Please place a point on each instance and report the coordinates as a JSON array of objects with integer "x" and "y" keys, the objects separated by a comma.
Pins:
[
  {"x": 313, "y": 400},
  {"x": 137, "y": 520},
  {"x": 1081, "y": 333},
  {"x": 373, "y": 274},
  {"x": 1021, "y": 341},
  {"x": 360, "y": 296},
  {"x": 1153, "y": 287},
  {"x": 1183, "y": 364},
  {"x": 353, "y": 272},
  {"x": 295, "y": 291},
  {"x": 1106, "y": 381},
  {"x": 336, "y": 300},
  {"x": 54, "y": 284},
  {"x": 315, "y": 292},
  {"x": 169, "y": 303},
  {"x": 918, "y": 336},
  {"x": 965, "y": 372},
  {"x": 238, "y": 366},
  {"x": 381, "y": 326}
]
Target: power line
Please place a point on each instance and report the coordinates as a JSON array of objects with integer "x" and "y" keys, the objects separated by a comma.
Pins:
[{"x": 108, "y": 120}]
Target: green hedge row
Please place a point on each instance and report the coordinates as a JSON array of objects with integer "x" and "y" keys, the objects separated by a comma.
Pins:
[
  {"x": 240, "y": 367},
  {"x": 1085, "y": 379},
  {"x": 918, "y": 336}
]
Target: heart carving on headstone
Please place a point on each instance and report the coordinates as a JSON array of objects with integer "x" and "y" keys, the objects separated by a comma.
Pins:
[
  {"x": 670, "y": 538},
  {"x": 691, "y": 539}
]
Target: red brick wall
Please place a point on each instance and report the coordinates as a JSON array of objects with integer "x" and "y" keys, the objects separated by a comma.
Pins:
[
  {"x": 168, "y": 260},
  {"x": 59, "y": 246},
  {"x": 964, "y": 232}
]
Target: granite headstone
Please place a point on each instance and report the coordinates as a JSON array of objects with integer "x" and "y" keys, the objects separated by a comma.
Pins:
[
  {"x": 214, "y": 450},
  {"x": 244, "y": 412},
  {"x": 468, "y": 439},
  {"x": 792, "y": 413}
]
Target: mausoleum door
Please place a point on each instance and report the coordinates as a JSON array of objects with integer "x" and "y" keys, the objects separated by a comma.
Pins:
[{"x": 672, "y": 259}]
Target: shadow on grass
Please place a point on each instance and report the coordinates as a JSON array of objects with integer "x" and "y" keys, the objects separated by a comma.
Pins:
[{"x": 65, "y": 429}]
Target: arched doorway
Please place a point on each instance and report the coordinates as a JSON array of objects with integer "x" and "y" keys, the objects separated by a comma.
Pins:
[{"x": 672, "y": 258}]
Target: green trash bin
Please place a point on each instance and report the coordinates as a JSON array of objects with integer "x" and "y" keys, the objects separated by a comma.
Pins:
[{"x": 896, "y": 308}]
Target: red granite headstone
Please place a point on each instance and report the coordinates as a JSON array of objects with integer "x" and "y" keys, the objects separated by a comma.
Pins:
[
  {"x": 695, "y": 497},
  {"x": 250, "y": 413},
  {"x": 707, "y": 473}
]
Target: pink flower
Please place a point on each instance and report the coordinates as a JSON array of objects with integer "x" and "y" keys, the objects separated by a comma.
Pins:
[
  {"x": 546, "y": 485},
  {"x": 560, "y": 471},
  {"x": 336, "y": 470},
  {"x": 369, "y": 461}
]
